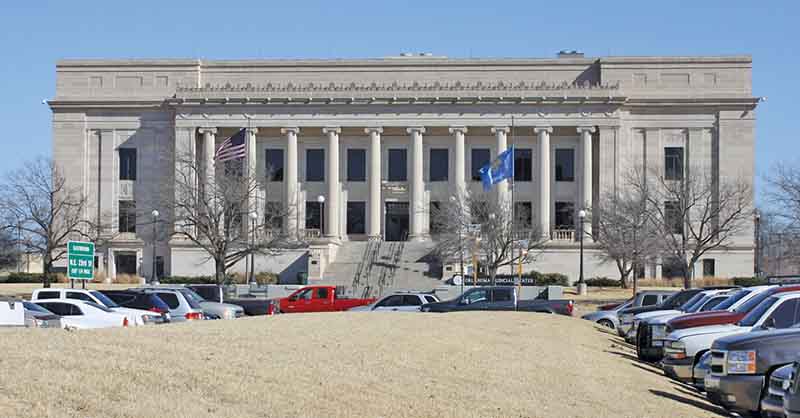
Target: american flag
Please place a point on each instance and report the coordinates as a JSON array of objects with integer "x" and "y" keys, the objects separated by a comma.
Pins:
[{"x": 232, "y": 148}]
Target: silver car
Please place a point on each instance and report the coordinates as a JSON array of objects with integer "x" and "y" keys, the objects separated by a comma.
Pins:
[
  {"x": 38, "y": 317},
  {"x": 608, "y": 318},
  {"x": 181, "y": 308},
  {"x": 398, "y": 302},
  {"x": 210, "y": 309}
]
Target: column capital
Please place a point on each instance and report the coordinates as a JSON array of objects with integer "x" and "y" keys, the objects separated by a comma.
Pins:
[
  {"x": 251, "y": 130},
  {"x": 331, "y": 130},
  {"x": 540, "y": 129},
  {"x": 204, "y": 130},
  {"x": 582, "y": 129},
  {"x": 420, "y": 129},
  {"x": 295, "y": 130},
  {"x": 375, "y": 129},
  {"x": 503, "y": 129},
  {"x": 458, "y": 129}
]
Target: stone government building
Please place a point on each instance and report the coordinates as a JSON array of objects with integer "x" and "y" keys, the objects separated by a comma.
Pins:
[{"x": 359, "y": 143}]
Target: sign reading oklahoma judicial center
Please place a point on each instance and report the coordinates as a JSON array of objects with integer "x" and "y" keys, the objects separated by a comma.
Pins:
[{"x": 80, "y": 260}]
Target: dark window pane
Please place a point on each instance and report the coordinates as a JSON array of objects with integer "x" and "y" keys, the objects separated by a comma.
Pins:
[
  {"x": 523, "y": 214},
  {"x": 411, "y": 300},
  {"x": 170, "y": 299},
  {"x": 397, "y": 165},
  {"x": 565, "y": 164},
  {"x": 273, "y": 215},
  {"x": 322, "y": 293},
  {"x": 48, "y": 295},
  {"x": 673, "y": 218},
  {"x": 523, "y": 164},
  {"x": 708, "y": 267},
  {"x": 673, "y": 163},
  {"x": 394, "y": 300},
  {"x": 672, "y": 268},
  {"x": 784, "y": 314},
  {"x": 315, "y": 165},
  {"x": 480, "y": 158},
  {"x": 356, "y": 164},
  {"x": 127, "y": 163},
  {"x": 648, "y": 300},
  {"x": 127, "y": 216},
  {"x": 502, "y": 295},
  {"x": 565, "y": 215},
  {"x": 314, "y": 211},
  {"x": 274, "y": 164},
  {"x": 79, "y": 296},
  {"x": 356, "y": 217},
  {"x": 439, "y": 164}
]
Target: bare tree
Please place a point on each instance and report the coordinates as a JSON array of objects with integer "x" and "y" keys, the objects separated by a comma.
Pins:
[
  {"x": 694, "y": 213},
  {"x": 215, "y": 213},
  {"x": 41, "y": 213},
  {"x": 482, "y": 224},
  {"x": 784, "y": 194},
  {"x": 623, "y": 230}
]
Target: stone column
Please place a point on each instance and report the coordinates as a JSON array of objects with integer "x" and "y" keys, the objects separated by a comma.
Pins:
[
  {"x": 374, "y": 229},
  {"x": 543, "y": 133},
  {"x": 209, "y": 149},
  {"x": 501, "y": 132},
  {"x": 460, "y": 161},
  {"x": 586, "y": 173},
  {"x": 332, "y": 201},
  {"x": 290, "y": 182},
  {"x": 417, "y": 184},
  {"x": 251, "y": 170}
]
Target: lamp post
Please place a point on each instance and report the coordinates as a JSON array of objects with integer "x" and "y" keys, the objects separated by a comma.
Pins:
[
  {"x": 757, "y": 258},
  {"x": 581, "y": 284},
  {"x": 321, "y": 201},
  {"x": 460, "y": 242},
  {"x": 154, "y": 275},
  {"x": 253, "y": 218}
]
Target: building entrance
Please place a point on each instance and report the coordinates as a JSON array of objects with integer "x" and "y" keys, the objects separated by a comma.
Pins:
[{"x": 396, "y": 221}]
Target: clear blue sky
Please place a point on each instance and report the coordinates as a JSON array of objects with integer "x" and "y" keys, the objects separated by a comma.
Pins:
[{"x": 34, "y": 35}]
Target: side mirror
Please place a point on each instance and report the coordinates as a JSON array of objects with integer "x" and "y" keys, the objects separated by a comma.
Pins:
[
  {"x": 769, "y": 323},
  {"x": 463, "y": 302}
]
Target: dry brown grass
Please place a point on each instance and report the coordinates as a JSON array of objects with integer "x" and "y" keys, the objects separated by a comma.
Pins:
[
  {"x": 337, "y": 365},
  {"x": 128, "y": 279}
]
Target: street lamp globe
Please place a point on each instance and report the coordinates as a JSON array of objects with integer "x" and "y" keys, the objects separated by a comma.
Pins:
[
  {"x": 582, "y": 214},
  {"x": 253, "y": 216},
  {"x": 155, "y": 213},
  {"x": 321, "y": 199}
]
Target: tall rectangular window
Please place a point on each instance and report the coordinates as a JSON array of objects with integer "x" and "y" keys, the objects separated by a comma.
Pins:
[
  {"x": 315, "y": 164},
  {"x": 565, "y": 215},
  {"x": 565, "y": 164},
  {"x": 673, "y": 218},
  {"x": 439, "y": 164},
  {"x": 356, "y": 217},
  {"x": 523, "y": 164},
  {"x": 273, "y": 215},
  {"x": 314, "y": 215},
  {"x": 709, "y": 269},
  {"x": 273, "y": 158},
  {"x": 523, "y": 215},
  {"x": 127, "y": 216},
  {"x": 435, "y": 217},
  {"x": 398, "y": 165},
  {"x": 356, "y": 164},
  {"x": 673, "y": 163},
  {"x": 127, "y": 163},
  {"x": 480, "y": 158}
]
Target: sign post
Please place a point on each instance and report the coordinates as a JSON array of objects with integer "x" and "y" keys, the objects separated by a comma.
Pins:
[{"x": 80, "y": 261}]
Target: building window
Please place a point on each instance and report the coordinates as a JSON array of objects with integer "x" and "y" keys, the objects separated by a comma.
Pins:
[
  {"x": 673, "y": 218},
  {"x": 671, "y": 268},
  {"x": 127, "y": 163},
  {"x": 480, "y": 158},
  {"x": 356, "y": 217},
  {"x": 673, "y": 163},
  {"x": 523, "y": 164},
  {"x": 356, "y": 164},
  {"x": 315, "y": 164},
  {"x": 127, "y": 216},
  {"x": 314, "y": 215},
  {"x": 159, "y": 266},
  {"x": 709, "y": 269},
  {"x": 273, "y": 215},
  {"x": 565, "y": 215},
  {"x": 434, "y": 218},
  {"x": 523, "y": 215},
  {"x": 439, "y": 164},
  {"x": 398, "y": 165},
  {"x": 274, "y": 164},
  {"x": 565, "y": 164}
]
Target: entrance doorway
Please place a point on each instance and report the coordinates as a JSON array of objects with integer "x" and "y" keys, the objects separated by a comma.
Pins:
[
  {"x": 125, "y": 262},
  {"x": 396, "y": 221}
]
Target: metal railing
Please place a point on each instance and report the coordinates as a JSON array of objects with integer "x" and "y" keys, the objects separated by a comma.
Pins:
[{"x": 563, "y": 235}]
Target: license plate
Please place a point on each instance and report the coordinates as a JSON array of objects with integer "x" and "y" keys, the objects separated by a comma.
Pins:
[
  {"x": 711, "y": 382},
  {"x": 658, "y": 343}
]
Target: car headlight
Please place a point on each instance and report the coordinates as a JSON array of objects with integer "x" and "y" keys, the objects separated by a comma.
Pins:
[
  {"x": 741, "y": 362},
  {"x": 228, "y": 314},
  {"x": 675, "y": 349},
  {"x": 658, "y": 331}
]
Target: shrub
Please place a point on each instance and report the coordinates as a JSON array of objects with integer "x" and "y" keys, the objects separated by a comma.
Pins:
[
  {"x": 749, "y": 281},
  {"x": 128, "y": 279},
  {"x": 16, "y": 277},
  {"x": 188, "y": 280},
  {"x": 552, "y": 279},
  {"x": 602, "y": 282}
]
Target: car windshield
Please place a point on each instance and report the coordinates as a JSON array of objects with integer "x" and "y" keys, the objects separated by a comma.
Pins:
[
  {"x": 732, "y": 299},
  {"x": 99, "y": 306},
  {"x": 753, "y": 302},
  {"x": 691, "y": 302},
  {"x": 192, "y": 298},
  {"x": 699, "y": 304},
  {"x": 34, "y": 307},
  {"x": 750, "y": 319},
  {"x": 104, "y": 299}
]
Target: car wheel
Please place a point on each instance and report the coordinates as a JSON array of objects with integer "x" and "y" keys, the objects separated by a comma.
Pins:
[{"x": 606, "y": 323}]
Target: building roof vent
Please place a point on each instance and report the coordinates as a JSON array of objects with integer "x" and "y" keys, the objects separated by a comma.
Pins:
[{"x": 570, "y": 53}]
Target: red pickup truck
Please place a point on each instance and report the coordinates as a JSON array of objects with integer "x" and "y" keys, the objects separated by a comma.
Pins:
[{"x": 317, "y": 299}]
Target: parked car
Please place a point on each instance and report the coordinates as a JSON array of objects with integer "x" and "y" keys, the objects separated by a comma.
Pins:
[
  {"x": 675, "y": 301},
  {"x": 683, "y": 348},
  {"x": 210, "y": 308},
  {"x": 215, "y": 293},
  {"x": 181, "y": 308},
  {"x": 777, "y": 386},
  {"x": 742, "y": 366},
  {"x": 38, "y": 317},
  {"x": 317, "y": 299},
  {"x": 791, "y": 397},
  {"x": 399, "y": 301},
  {"x": 12, "y": 313},
  {"x": 607, "y": 315},
  {"x": 84, "y": 315},
  {"x": 135, "y": 316},
  {"x": 499, "y": 298},
  {"x": 701, "y": 369},
  {"x": 138, "y": 300}
]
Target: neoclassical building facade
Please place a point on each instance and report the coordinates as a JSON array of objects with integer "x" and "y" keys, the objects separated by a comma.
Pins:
[{"x": 354, "y": 149}]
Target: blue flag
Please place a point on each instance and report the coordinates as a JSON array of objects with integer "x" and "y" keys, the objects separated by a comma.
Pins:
[{"x": 498, "y": 170}]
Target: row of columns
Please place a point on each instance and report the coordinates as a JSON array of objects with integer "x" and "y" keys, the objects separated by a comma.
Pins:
[{"x": 417, "y": 186}]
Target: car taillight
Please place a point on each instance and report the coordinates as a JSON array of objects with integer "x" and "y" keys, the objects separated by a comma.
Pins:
[
  {"x": 570, "y": 307},
  {"x": 157, "y": 310},
  {"x": 270, "y": 308},
  {"x": 125, "y": 322},
  {"x": 194, "y": 316}
]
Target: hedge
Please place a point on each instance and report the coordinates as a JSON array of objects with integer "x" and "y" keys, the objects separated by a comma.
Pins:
[
  {"x": 261, "y": 278},
  {"x": 549, "y": 279},
  {"x": 749, "y": 281},
  {"x": 16, "y": 277},
  {"x": 602, "y": 282}
]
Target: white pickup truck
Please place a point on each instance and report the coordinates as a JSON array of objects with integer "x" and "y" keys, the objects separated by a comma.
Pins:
[
  {"x": 135, "y": 316},
  {"x": 683, "y": 348}
]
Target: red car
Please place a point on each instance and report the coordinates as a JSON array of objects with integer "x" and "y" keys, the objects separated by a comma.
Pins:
[
  {"x": 318, "y": 299},
  {"x": 720, "y": 317}
]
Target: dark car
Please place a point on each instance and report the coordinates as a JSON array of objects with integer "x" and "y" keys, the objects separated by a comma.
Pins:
[
  {"x": 791, "y": 395},
  {"x": 215, "y": 293},
  {"x": 499, "y": 298},
  {"x": 140, "y": 300}
]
